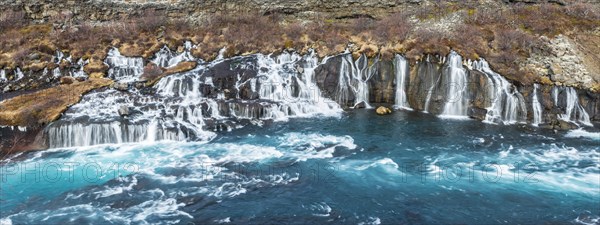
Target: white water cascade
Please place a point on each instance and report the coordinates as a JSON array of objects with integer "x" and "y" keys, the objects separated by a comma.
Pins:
[
  {"x": 277, "y": 78},
  {"x": 166, "y": 58},
  {"x": 457, "y": 101},
  {"x": 536, "y": 105},
  {"x": 122, "y": 68},
  {"x": 402, "y": 71},
  {"x": 574, "y": 112},
  {"x": 18, "y": 74},
  {"x": 356, "y": 75},
  {"x": 3, "y": 76},
  {"x": 430, "y": 71},
  {"x": 181, "y": 108},
  {"x": 78, "y": 72},
  {"x": 507, "y": 104}
]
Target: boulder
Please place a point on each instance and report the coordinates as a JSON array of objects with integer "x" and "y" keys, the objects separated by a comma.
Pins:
[
  {"x": 477, "y": 113},
  {"x": 360, "y": 105},
  {"x": 565, "y": 125},
  {"x": 121, "y": 86},
  {"x": 382, "y": 110},
  {"x": 124, "y": 110},
  {"x": 67, "y": 80}
]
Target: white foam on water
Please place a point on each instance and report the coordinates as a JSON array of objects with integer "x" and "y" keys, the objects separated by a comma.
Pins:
[
  {"x": 321, "y": 209},
  {"x": 224, "y": 220},
  {"x": 454, "y": 117},
  {"x": 132, "y": 181},
  {"x": 371, "y": 221},
  {"x": 588, "y": 220},
  {"x": 163, "y": 208},
  {"x": 581, "y": 133},
  {"x": 6, "y": 221},
  {"x": 385, "y": 162},
  {"x": 312, "y": 146}
]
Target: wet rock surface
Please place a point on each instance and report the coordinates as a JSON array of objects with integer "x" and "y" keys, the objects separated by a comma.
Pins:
[{"x": 222, "y": 95}]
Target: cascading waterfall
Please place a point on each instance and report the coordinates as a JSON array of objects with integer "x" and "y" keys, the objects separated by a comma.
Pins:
[
  {"x": 78, "y": 72},
  {"x": 123, "y": 68},
  {"x": 269, "y": 87},
  {"x": 574, "y": 112},
  {"x": 402, "y": 71},
  {"x": 18, "y": 74},
  {"x": 456, "y": 87},
  {"x": 431, "y": 73},
  {"x": 536, "y": 106},
  {"x": 507, "y": 105},
  {"x": 180, "y": 108},
  {"x": 277, "y": 81},
  {"x": 356, "y": 75},
  {"x": 166, "y": 58},
  {"x": 3, "y": 76}
]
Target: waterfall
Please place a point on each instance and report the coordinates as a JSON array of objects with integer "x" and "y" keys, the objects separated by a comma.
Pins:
[
  {"x": 78, "y": 72},
  {"x": 536, "y": 105},
  {"x": 280, "y": 79},
  {"x": 356, "y": 75},
  {"x": 166, "y": 58},
  {"x": 184, "y": 105},
  {"x": 122, "y": 68},
  {"x": 402, "y": 72},
  {"x": 574, "y": 112},
  {"x": 432, "y": 75},
  {"x": 18, "y": 74},
  {"x": 3, "y": 76},
  {"x": 457, "y": 101},
  {"x": 508, "y": 105}
]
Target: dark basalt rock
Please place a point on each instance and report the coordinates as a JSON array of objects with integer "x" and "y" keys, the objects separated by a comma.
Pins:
[
  {"x": 124, "y": 111},
  {"x": 382, "y": 87},
  {"x": 327, "y": 77},
  {"x": 225, "y": 77},
  {"x": 564, "y": 125},
  {"x": 477, "y": 113}
]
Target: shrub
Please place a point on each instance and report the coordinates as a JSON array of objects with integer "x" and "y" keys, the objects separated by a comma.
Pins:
[
  {"x": 21, "y": 55},
  {"x": 395, "y": 27},
  {"x": 12, "y": 19},
  {"x": 294, "y": 31},
  {"x": 150, "y": 20},
  {"x": 362, "y": 24},
  {"x": 583, "y": 11},
  {"x": 151, "y": 71},
  {"x": 488, "y": 16}
]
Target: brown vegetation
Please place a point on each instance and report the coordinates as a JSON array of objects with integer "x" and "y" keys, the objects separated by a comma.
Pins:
[
  {"x": 503, "y": 35},
  {"x": 46, "y": 105},
  {"x": 152, "y": 73}
]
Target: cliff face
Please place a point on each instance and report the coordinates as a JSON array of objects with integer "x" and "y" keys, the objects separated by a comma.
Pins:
[
  {"x": 98, "y": 10},
  {"x": 113, "y": 10}
]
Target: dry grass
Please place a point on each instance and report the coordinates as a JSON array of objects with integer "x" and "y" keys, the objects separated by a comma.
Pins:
[
  {"x": 502, "y": 35},
  {"x": 46, "y": 105},
  {"x": 152, "y": 73}
]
